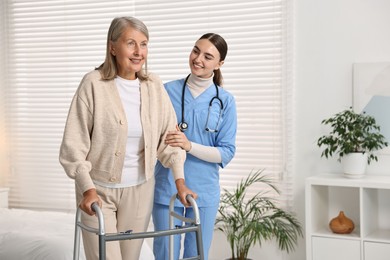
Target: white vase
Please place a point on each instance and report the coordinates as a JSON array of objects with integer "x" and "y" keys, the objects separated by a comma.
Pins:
[{"x": 354, "y": 165}]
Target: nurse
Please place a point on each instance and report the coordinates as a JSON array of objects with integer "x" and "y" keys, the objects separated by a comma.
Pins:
[{"x": 207, "y": 132}]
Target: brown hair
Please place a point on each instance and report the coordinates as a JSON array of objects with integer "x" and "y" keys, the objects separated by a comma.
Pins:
[
  {"x": 108, "y": 69},
  {"x": 222, "y": 48}
]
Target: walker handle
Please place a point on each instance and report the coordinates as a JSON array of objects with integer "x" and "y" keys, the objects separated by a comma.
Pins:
[
  {"x": 193, "y": 204},
  {"x": 190, "y": 199},
  {"x": 95, "y": 207}
]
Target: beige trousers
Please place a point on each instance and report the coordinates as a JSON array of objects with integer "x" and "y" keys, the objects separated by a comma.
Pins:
[{"x": 123, "y": 209}]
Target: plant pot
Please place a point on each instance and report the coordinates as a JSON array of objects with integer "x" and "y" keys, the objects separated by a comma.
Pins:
[{"x": 354, "y": 165}]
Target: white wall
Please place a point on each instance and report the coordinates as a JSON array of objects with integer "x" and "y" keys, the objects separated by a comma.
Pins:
[{"x": 330, "y": 35}]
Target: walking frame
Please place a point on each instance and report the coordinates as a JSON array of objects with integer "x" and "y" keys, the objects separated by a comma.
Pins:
[{"x": 193, "y": 225}]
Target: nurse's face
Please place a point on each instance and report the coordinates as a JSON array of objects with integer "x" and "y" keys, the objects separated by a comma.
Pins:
[
  {"x": 130, "y": 51},
  {"x": 204, "y": 59}
]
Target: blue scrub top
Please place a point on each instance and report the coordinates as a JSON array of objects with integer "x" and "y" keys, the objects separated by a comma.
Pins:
[{"x": 201, "y": 177}]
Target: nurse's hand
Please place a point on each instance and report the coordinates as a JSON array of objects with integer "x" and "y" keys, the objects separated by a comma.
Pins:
[
  {"x": 178, "y": 139},
  {"x": 183, "y": 191}
]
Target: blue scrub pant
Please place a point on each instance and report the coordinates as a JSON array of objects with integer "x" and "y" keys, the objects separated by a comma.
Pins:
[{"x": 161, "y": 222}]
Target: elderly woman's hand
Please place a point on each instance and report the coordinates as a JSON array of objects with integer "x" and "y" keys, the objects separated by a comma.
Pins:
[
  {"x": 183, "y": 191},
  {"x": 89, "y": 197}
]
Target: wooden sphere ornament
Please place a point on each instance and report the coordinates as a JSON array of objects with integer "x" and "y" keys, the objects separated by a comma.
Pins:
[{"x": 341, "y": 224}]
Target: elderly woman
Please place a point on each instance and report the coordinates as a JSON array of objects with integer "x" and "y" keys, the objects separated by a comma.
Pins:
[{"x": 116, "y": 128}]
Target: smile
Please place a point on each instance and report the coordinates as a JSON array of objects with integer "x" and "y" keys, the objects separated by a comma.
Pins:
[
  {"x": 135, "y": 60},
  {"x": 197, "y": 66}
]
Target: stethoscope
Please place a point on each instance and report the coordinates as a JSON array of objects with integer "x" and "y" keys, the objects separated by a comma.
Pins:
[{"x": 183, "y": 126}]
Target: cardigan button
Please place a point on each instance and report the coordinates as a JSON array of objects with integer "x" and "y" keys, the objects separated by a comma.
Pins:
[
  {"x": 112, "y": 179},
  {"x": 118, "y": 153},
  {"x": 122, "y": 122}
]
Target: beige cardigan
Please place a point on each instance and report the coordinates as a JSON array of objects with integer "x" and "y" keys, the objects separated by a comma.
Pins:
[{"x": 94, "y": 140}]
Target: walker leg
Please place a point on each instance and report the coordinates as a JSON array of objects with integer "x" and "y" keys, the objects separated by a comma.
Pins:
[
  {"x": 76, "y": 246},
  {"x": 102, "y": 247},
  {"x": 199, "y": 243}
]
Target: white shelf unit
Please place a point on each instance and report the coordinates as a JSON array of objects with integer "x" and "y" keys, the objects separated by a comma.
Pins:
[{"x": 366, "y": 201}]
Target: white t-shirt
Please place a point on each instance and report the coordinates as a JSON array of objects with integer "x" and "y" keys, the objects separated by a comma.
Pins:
[{"x": 134, "y": 165}]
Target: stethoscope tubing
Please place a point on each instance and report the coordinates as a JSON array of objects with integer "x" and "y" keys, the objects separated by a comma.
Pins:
[{"x": 183, "y": 125}]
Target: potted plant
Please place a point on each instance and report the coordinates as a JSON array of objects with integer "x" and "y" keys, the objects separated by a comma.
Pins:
[
  {"x": 353, "y": 135},
  {"x": 249, "y": 221}
]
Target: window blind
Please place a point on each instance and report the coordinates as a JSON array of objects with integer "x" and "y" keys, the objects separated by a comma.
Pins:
[{"x": 52, "y": 44}]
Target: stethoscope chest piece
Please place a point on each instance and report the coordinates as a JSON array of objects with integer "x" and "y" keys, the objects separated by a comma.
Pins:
[{"x": 183, "y": 126}]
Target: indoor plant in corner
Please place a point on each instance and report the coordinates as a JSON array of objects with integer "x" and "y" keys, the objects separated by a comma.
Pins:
[
  {"x": 354, "y": 137},
  {"x": 249, "y": 221}
]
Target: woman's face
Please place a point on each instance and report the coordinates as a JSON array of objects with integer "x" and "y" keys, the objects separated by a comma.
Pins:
[
  {"x": 204, "y": 59},
  {"x": 130, "y": 51}
]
